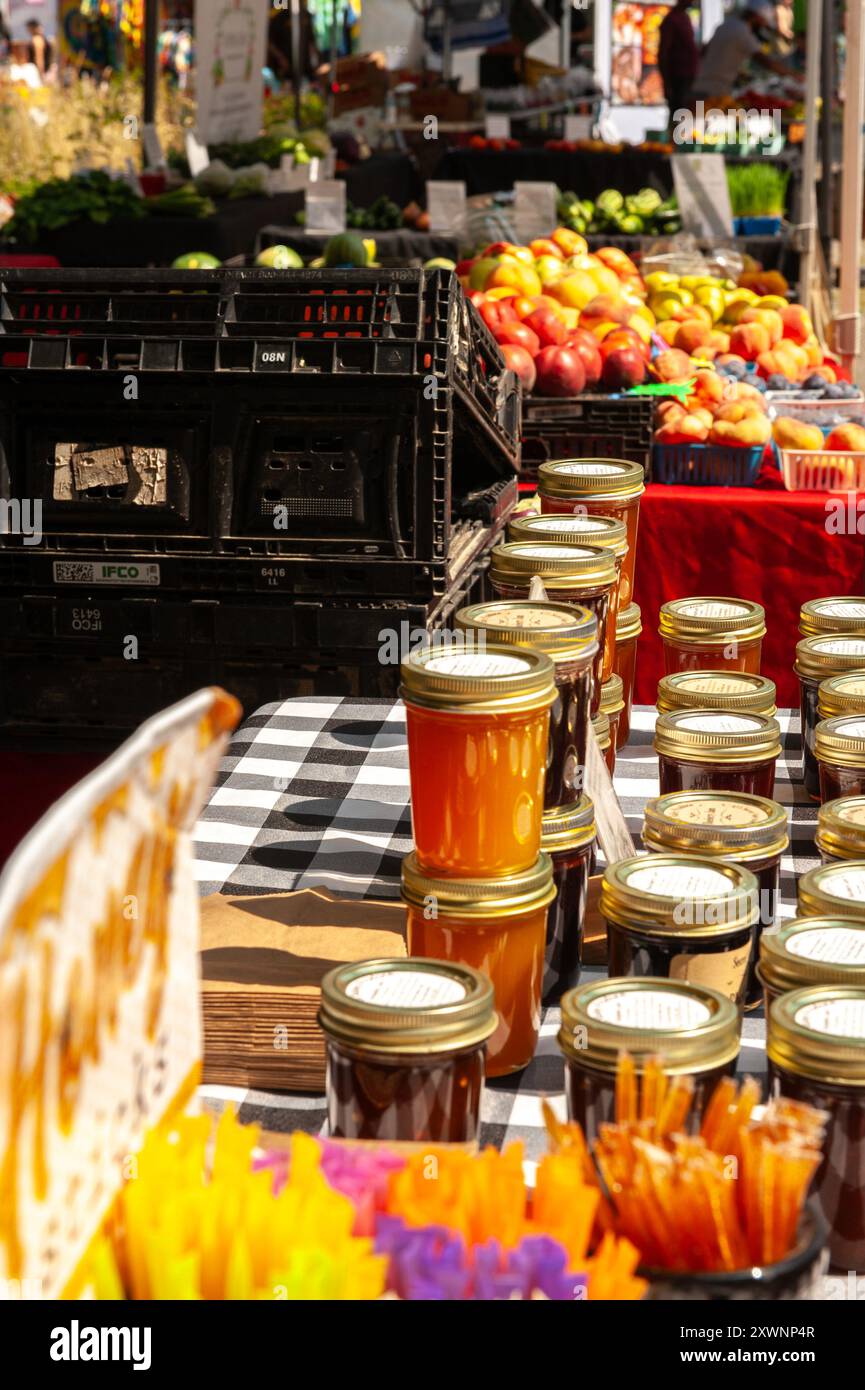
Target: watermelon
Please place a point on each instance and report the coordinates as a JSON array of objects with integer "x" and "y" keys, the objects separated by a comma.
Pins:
[
  {"x": 196, "y": 260},
  {"x": 345, "y": 249},
  {"x": 279, "y": 258}
]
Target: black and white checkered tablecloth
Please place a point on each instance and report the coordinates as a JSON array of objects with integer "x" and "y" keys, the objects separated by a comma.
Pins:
[{"x": 313, "y": 793}]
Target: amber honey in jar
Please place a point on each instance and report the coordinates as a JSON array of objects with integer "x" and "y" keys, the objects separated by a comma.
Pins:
[
  {"x": 712, "y": 634},
  {"x": 580, "y": 574},
  {"x": 841, "y": 829},
  {"x": 839, "y": 747},
  {"x": 844, "y": 694},
  {"x": 568, "y": 837},
  {"x": 728, "y": 828},
  {"x": 694, "y": 1030},
  {"x": 405, "y": 1042},
  {"x": 568, "y": 634},
  {"x": 498, "y": 926},
  {"x": 601, "y": 726},
  {"x": 833, "y": 890},
  {"x": 817, "y": 658},
  {"x": 478, "y": 729},
  {"x": 612, "y": 705},
  {"x": 596, "y": 487},
  {"x": 840, "y": 614},
  {"x": 682, "y": 918},
  {"x": 603, "y": 531},
  {"x": 737, "y": 692},
  {"x": 815, "y": 1045},
  {"x": 628, "y": 629},
  {"x": 709, "y": 750},
  {"x": 811, "y": 951}
]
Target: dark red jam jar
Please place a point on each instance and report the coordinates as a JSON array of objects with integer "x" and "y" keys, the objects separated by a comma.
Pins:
[
  {"x": 841, "y": 829},
  {"x": 628, "y": 628},
  {"x": 405, "y": 1042},
  {"x": 712, "y": 634},
  {"x": 568, "y": 837},
  {"x": 692, "y": 1028},
  {"x": 712, "y": 750},
  {"x": 736, "y": 692},
  {"x": 839, "y": 747},
  {"x": 612, "y": 705},
  {"x": 842, "y": 614},
  {"x": 811, "y": 951},
  {"x": 568, "y": 634},
  {"x": 728, "y": 828},
  {"x": 815, "y": 1045},
  {"x": 833, "y": 890},
  {"x": 817, "y": 658},
  {"x": 681, "y": 918}
]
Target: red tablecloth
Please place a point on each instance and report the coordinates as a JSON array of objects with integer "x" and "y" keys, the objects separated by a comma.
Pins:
[{"x": 768, "y": 545}]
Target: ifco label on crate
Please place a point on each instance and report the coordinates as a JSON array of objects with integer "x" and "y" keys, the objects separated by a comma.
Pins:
[{"x": 104, "y": 572}]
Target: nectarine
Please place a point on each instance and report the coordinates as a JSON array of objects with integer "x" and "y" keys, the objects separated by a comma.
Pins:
[
  {"x": 789, "y": 433},
  {"x": 687, "y": 429},
  {"x": 691, "y": 335},
  {"x": 672, "y": 366},
  {"x": 846, "y": 437},
  {"x": 745, "y": 433},
  {"x": 748, "y": 340}
]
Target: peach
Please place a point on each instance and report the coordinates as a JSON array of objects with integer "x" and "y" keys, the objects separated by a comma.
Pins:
[
  {"x": 813, "y": 351},
  {"x": 745, "y": 433},
  {"x": 846, "y": 437},
  {"x": 604, "y": 309},
  {"x": 733, "y": 411},
  {"x": 669, "y": 410},
  {"x": 575, "y": 289},
  {"x": 668, "y": 328},
  {"x": 706, "y": 353},
  {"x": 797, "y": 323},
  {"x": 710, "y": 386},
  {"x": 691, "y": 335},
  {"x": 672, "y": 365},
  {"x": 545, "y": 246},
  {"x": 744, "y": 391},
  {"x": 618, "y": 260},
  {"x": 748, "y": 340},
  {"x": 789, "y": 433},
  {"x": 570, "y": 242},
  {"x": 686, "y": 430},
  {"x": 514, "y": 274},
  {"x": 702, "y": 412},
  {"x": 770, "y": 319}
]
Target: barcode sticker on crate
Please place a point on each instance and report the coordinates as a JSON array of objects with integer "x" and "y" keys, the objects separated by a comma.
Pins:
[{"x": 102, "y": 572}]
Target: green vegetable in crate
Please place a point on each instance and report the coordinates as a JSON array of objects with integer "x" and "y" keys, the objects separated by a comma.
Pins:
[
  {"x": 346, "y": 249},
  {"x": 279, "y": 258},
  {"x": 610, "y": 201},
  {"x": 439, "y": 263},
  {"x": 644, "y": 203},
  {"x": 185, "y": 201},
  {"x": 196, "y": 260},
  {"x": 94, "y": 196},
  {"x": 631, "y": 225}
]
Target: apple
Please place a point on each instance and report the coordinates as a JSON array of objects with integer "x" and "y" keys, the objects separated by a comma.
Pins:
[
  {"x": 624, "y": 337},
  {"x": 520, "y": 335},
  {"x": 560, "y": 372},
  {"x": 550, "y": 329},
  {"x": 496, "y": 312},
  {"x": 624, "y": 367},
  {"x": 521, "y": 362}
]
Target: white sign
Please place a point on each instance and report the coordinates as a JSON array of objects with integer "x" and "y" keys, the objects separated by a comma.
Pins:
[
  {"x": 154, "y": 157},
  {"x": 704, "y": 197},
  {"x": 292, "y": 177},
  {"x": 325, "y": 206},
  {"x": 446, "y": 205},
  {"x": 231, "y": 46},
  {"x": 497, "y": 127},
  {"x": 578, "y": 127},
  {"x": 535, "y": 212},
  {"x": 196, "y": 155}
]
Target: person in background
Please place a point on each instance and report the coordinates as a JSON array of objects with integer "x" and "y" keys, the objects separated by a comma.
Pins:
[
  {"x": 280, "y": 32},
  {"x": 737, "y": 40},
  {"x": 40, "y": 50},
  {"x": 678, "y": 56}
]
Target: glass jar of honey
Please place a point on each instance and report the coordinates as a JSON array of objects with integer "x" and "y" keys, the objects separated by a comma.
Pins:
[
  {"x": 603, "y": 531},
  {"x": 841, "y": 614},
  {"x": 693, "y": 1028},
  {"x": 844, "y": 694},
  {"x": 728, "y": 828},
  {"x": 839, "y": 747},
  {"x": 737, "y": 692},
  {"x": 811, "y": 951},
  {"x": 815, "y": 1045},
  {"x": 833, "y": 890},
  {"x": 601, "y": 726},
  {"x": 405, "y": 1042},
  {"x": 681, "y": 918},
  {"x": 596, "y": 487},
  {"x": 712, "y": 634},
  {"x": 478, "y": 729},
  {"x": 628, "y": 629},
  {"x": 705, "y": 750},
  {"x": 568, "y": 634},
  {"x": 581, "y": 574},
  {"x": 568, "y": 837},
  {"x": 841, "y": 829},
  {"x": 496, "y": 925},
  {"x": 612, "y": 705},
  {"x": 818, "y": 658}
]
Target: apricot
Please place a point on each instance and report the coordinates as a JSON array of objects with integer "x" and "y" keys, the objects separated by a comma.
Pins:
[
  {"x": 748, "y": 340},
  {"x": 789, "y": 433},
  {"x": 745, "y": 433},
  {"x": 672, "y": 366},
  {"x": 709, "y": 385},
  {"x": 669, "y": 410},
  {"x": 797, "y": 323},
  {"x": 733, "y": 411},
  {"x": 744, "y": 391},
  {"x": 702, "y": 412},
  {"x": 668, "y": 328},
  {"x": 719, "y": 340},
  {"x": 688, "y": 429},
  {"x": 846, "y": 437},
  {"x": 691, "y": 335},
  {"x": 769, "y": 318}
]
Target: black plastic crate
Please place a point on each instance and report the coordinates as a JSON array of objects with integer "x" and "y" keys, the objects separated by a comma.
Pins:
[{"x": 590, "y": 426}]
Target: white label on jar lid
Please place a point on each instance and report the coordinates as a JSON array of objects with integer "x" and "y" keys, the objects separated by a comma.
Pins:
[
  {"x": 843, "y": 1018},
  {"x": 854, "y": 815},
  {"x": 838, "y": 945},
  {"x": 570, "y": 523},
  {"x": 557, "y": 552},
  {"x": 588, "y": 468},
  {"x": 477, "y": 664},
  {"x": 840, "y": 646},
  {"x": 703, "y": 608},
  {"x": 842, "y": 608},
  {"x": 713, "y": 685},
  {"x": 852, "y": 728},
  {"x": 849, "y": 883},
  {"x": 406, "y": 989},
  {"x": 545, "y": 618},
  {"x": 706, "y": 811},
  {"x": 720, "y": 723},
  {"x": 657, "y": 1009},
  {"x": 851, "y": 685},
  {"x": 679, "y": 881}
]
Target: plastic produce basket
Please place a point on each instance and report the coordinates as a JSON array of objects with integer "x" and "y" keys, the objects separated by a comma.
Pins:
[
  {"x": 757, "y": 226},
  {"x": 706, "y": 465},
  {"x": 822, "y": 470}
]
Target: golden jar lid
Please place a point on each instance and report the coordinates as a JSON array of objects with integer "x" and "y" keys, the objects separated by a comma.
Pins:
[
  {"x": 831, "y": 889},
  {"x": 679, "y": 895},
  {"x": 614, "y": 478},
  {"x": 612, "y": 696},
  {"x": 736, "y": 691},
  {"x": 628, "y": 623},
  {"x": 841, "y": 827},
  {"x": 566, "y": 632},
  {"x": 735, "y": 825},
  {"x": 559, "y": 566},
  {"x": 478, "y": 678},
  {"x": 832, "y": 615},
  {"x": 717, "y": 737},
  {"x": 603, "y": 531},
  {"x": 690, "y": 1026},
  {"x": 843, "y": 694},
  {"x": 508, "y": 895},
  {"x": 601, "y": 726},
  {"x": 819, "y": 1032},
  {"x": 841, "y": 741},
  {"x": 829, "y": 655},
  {"x": 813, "y": 951},
  {"x": 712, "y": 621},
  {"x": 569, "y": 827},
  {"x": 408, "y": 1005}
]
